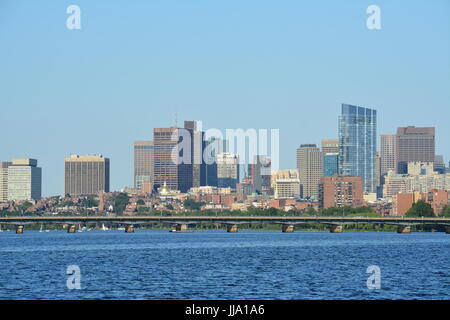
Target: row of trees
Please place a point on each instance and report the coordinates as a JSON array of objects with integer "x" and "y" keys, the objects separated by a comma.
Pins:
[
  {"x": 194, "y": 207},
  {"x": 424, "y": 209},
  {"x": 446, "y": 212},
  {"x": 120, "y": 201},
  {"x": 419, "y": 209}
]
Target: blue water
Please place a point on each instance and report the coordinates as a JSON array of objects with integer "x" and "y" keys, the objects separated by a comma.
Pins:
[{"x": 220, "y": 265}]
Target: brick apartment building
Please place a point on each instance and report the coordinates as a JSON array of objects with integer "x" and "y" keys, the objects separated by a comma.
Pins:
[
  {"x": 340, "y": 191},
  {"x": 438, "y": 199}
]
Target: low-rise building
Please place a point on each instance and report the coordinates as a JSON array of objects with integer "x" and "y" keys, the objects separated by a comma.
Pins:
[
  {"x": 286, "y": 184},
  {"x": 420, "y": 178},
  {"x": 438, "y": 199}
]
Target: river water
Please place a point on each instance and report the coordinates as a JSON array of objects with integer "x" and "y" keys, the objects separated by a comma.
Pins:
[{"x": 156, "y": 264}]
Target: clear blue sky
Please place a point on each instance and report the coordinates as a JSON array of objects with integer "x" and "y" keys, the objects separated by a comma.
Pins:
[{"x": 233, "y": 64}]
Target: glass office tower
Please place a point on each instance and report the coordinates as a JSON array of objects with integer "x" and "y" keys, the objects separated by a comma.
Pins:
[{"x": 358, "y": 144}]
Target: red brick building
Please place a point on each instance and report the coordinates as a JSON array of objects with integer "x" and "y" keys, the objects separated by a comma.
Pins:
[
  {"x": 438, "y": 200},
  {"x": 402, "y": 202},
  {"x": 340, "y": 191}
]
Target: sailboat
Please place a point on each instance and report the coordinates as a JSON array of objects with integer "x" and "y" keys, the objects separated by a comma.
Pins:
[{"x": 46, "y": 230}]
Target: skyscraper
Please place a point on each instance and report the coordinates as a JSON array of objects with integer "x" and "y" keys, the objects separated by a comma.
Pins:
[
  {"x": 358, "y": 144},
  {"x": 24, "y": 180},
  {"x": 387, "y": 153},
  {"x": 212, "y": 148},
  {"x": 165, "y": 171},
  {"x": 143, "y": 163},
  {"x": 4, "y": 181},
  {"x": 172, "y": 158},
  {"x": 227, "y": 170},
  {"x": 310, "y": 159},
  {"x": 86, "y": 174},
  {"x": 414, "y": 144},
  {"x": 198, "y": 146},
  {"x": 260, "y": 173}
]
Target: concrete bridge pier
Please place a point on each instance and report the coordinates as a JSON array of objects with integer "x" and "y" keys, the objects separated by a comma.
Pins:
[
  {"x": 287, "y": 228},
  {"x": 71, "y": 228},
  {"x": 232, "y": 228},
  {"x": 335, "y": 229},
  {"x": 129, "y": 228},
  {"x": 19, "y": 229},
  {"x": 180, "y": 227},
  {"x": 403, "y": 229}
]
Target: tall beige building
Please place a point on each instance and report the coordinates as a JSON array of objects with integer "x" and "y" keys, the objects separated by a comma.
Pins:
[
  {"x": 330, "y": 146},
  {"x": 86, "y": 174},
  {"x": 169, "y": 166},
  {"x": 388, "y": 161},
  {"x": 24, "y": 180},
  {"x": 143, "y": 163},
  {"x": 310, "y": 160},
  {"x": 4, "y": 181}
]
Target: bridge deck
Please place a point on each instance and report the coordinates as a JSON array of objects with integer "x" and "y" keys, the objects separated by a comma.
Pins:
[{"x": 222, "y": 219}]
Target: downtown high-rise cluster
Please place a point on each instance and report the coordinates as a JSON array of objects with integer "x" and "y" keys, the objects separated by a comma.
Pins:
[{"x": 348, "y": 170}]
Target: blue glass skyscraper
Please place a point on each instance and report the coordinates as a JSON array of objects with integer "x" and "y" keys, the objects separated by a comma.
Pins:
[{"x": 358, "y": 144}]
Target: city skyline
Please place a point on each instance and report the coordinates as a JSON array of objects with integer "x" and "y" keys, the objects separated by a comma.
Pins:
[
  {"x": 94, "y": 90},
  {"x": 379, "y": 137}
]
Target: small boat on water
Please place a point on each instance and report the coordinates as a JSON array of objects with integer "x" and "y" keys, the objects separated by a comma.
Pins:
[
  {"x": 104, "y": 228},
  {"x": 42, "y": 230}
]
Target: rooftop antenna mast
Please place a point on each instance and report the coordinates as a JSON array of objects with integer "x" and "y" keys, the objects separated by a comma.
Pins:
[{"x": 176, "y": 120}]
